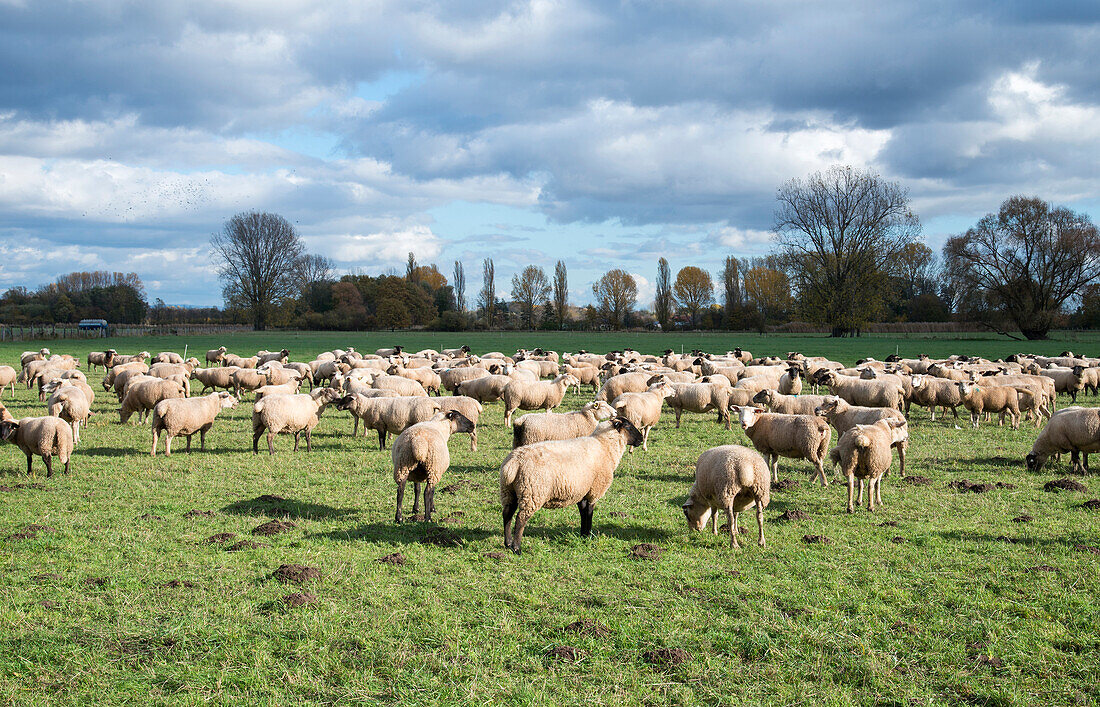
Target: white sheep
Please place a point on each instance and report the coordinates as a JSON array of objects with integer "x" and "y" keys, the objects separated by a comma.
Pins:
[
  {"x": 535, "y": 395},
  {"x": 186, "y": 416},
  {"x": 863, "y": 452},
  {"x": 643, "y": 409},
  {"x": 288, "y": 414},
  {"x": 729, "y": 478},
  {"x": 420, "y": 455},
  {"x": 1075, "y": 430},
  {"x": 70, "y": 404},
  {"x": 142, "y": 396},
  {"x": 469, "y": 407},
  {"x": 46, "y": 437},
  {"x": 388, "y": 415},
  {"x": 793, "y": 436},
  {"x": 544, "y": 426}
]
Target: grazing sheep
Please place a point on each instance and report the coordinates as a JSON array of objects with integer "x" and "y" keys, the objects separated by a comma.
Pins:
[
  {"x": 400, "y": 385},
  {"x": 388, "y": 415},
  {"x": 186, "y": 416},
  {"x": 420, "y": 454},
  {"x": 28, "y": 356},
  {"x": 541, "y": 369},
  {"x": 290, "y": 388},
  {"x": 544, "y": 426},
  {"x": 793, "y": 436},
  {"x": 118, "y": 369},
  {"x": 843, "y": 417},
  {"x": 775, "y": 401},
  {"x": 561, "y": 473},
  {"x": 452, "y": 377},
  {"x": 863, "y": 452},
  {"x": 616, "y": 385},
  {"x": 288, "y": 414},
  {"x": 1075, "y": 430},
  {"x": 124, "y": 379},
  {"x": 121, "y": 360},
  {"x": 142, "y": 396},
  {"x": 167, "y": 357},
  {"x": 866, "y": 393},
  {"x": 327, "y": 370},
  {"x": 585, "y": 375},
  {"x": 484, "y": 389},
  {"x": 220, "y": 377},
  {"x": 7, "y": 379},
  {"x": 729, "y": 478},
  {"x": 43, "y": 436},
  {"x": 216, "y": 356},
  {"x": 280, "y": 376},
  {"x": 70, "y": 404},
  {"x": 305, "y": 373},
  {"x": 469, "y": 407},
  {"x": 247, "y": 379},
  {"x": 240, "y": 361},
  {"x": 101, "y": 358},
  {"x": 993, "y": 399},
  {"x": 386, "y": 353},
  {"x": 535, "y": 395},
  {"x": 701, "y": 398},
  {"x": 277, "y": 356}
]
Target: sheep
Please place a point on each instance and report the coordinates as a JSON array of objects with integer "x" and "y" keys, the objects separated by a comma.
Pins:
[
  {"x": 541, "y": 369},
  {"x": 186, "y": 416},
  {"x": 730, "y": 478},
  {"x": 388, "y": 415},
  {"x": 615, "y": 386},
  {"x": 119, "y": 369},
  {"x": 74, "y": 382},
  {"x": 790, "y": 383},
  {"x": 121, "y": 360},
  {"x": 451, "y": 377},
  {"x": 7, "y": 378},
  {"x": 1067, "y": 380},
  {"x": 288, "y": 414},
  {"x": 101, "y": 358},
  {"x": 142, "y": 396},
  {"x": 327, "y": 370},
  {"x": 265, "y": 356},
  {"x": 28, "y": 356},
  {"x": 843, "y": 417},
  {"x": 386, "y": 353},
  {"x": 216, "y": 356},
  {"x": 214, "y": 378},
  {"x": 33, "y": 370},
  {"x": 420, "y": 454},
  {"x": 168, "y": 357},
  {"x": 456, "y": 353},
  {"x": 279, "y": 375},
  {"x": 560, "y": 473},
  {"x": 538, "y": 395},
  {"x": 70, "y": 404},
  {"x": 866, "y": 393},
  {"x": 644, "y": 409},
  {"x": 863, "y": 452},
  {"x": 402, "y": 386},
  {"x": 166, "y": 370},
  {"x": 305, "y": 373},
  {"x": 43, "y": 436},
  {"x": 247, "y": 379},
  {"x": 978, "y": 399},
  {"x": 426, "y": 377},
  {"x": 931, "y": 392},
  {"x": 1075, "y": 430},
  {"x": 290, "y": 388},
  {"x": 4, "y": 413},
  {"x": 585, "y": 375},
  {"x": 1033, "y": 402},
  {"x": 485, "y": 389},
  {"x": 775, "y": 401},
  {"x": 468, "y": 407},
  {"x": 544, "y": 426},
  {"x": 793, "y": 436},
  {"x": 240, "y": 361},
  {"x": 701, "y": 397}
]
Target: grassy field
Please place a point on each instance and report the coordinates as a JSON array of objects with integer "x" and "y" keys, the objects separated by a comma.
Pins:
[{"x": 939, "y": 597}]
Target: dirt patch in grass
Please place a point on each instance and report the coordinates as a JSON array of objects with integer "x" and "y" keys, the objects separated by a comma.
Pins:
[
  {"x": 149, "y": 516},
  {"x": 31, "y": 532},
  {"x": 618, "y": 514},
  {"x": 21, "y": 487},
  {"x": 50, "y": 577},
  {"x": 47, "y": 604},
  {"x": 460, "y": 486},
  {"x": 193, "y": 513},
  {"x": 587, "y": 627},
  {"x": 395, "y": 558},
  {"x": 1092, "y": 549},
  {"x": 453, "y": 519},
  {"x": 965, "y": 486},
  {"x": 274, "y": 527},
  {"x": 1041, "y": 568},
  {"x": 646, "y": 551},
  {"x": 816, "y": 540},
  {"x": 1065, "y": 485},
  {"x": 898, "y": 540},
  {"x": 988, "y": 660},
  {"x": 917, "y": 480},
  {"x": 270, "y": 498},
  {"x": 567, "y": 653},
  {"x": 495, "y": 555},
  {"x": 784, "y": 484},
  {"x": 792, "y": 514},
  {"x": 244, "y": 545},
  {"x": 219, "y": 538},
  {"x": 441, "y": 537},
  {"x": 888, "y": 524},
  {"x": 1003, "y": 485},
  {"x": 903, "y": 627},
  {"x": 1091, "y": 504},
  {"x": 179, "y": 583},
  {"x": 1007, "y": 539},
  {"x": 1025, "y": 518},
  {"x": 666, "y": 657},
  {"x": 300, "y": 599},
  {"x": 96, "y": 581},
  {"x": 298, "y": 574}
]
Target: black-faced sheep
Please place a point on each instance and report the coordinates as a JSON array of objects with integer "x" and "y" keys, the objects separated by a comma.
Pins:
[
  {"x": 1075, "y": 430},
  {"x": 420, "y": 454}
]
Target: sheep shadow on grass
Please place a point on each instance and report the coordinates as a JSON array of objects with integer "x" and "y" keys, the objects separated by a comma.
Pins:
[
  {"x": 286, "y": 507},
  {"x": 407, "y": 533}
]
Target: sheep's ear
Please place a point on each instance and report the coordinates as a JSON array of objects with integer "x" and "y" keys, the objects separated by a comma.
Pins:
[
  {"x": 8, "y": 429},
  {"x": 895, "y": 423}
]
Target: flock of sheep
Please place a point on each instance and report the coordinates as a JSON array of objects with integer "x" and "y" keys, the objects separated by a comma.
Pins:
[{"x": 567, "y": 459}]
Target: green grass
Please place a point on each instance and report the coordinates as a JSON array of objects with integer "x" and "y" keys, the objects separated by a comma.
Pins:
[{"x": 862, "y": 621}]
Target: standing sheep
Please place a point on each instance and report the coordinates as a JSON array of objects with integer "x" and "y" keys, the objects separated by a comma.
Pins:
[
  {"x": 388, "y": 415},
  {"x": 863, "y": 452},
  {"x": 545, "y": 426},
  {"x": 7, "y": 378},
  {"x": 288, "y": 414},
  {"x": 143, "y": 396},
  {"x": 729, "y": 478},
  {"x": 992, "y": 399},
  {"x": 561, "y": 473},
  {"x": 216, "y": 356},
  {"x": 792, "y": 436},
  {"x": 70, "y": 404},
  {"x": 535, "y": 395},
  {"x": 420, "y": 454},
  {"x": 43, "y": 436},
  {"x": 643, "y": 409},
  {"x": 186, "y": 416},
  {"x": 469, "y": 407},
  {"x": 1075, "y": 430}
]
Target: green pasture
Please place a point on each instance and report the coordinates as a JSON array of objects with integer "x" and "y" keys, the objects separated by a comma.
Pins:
[{"x": 939, "y": 597}]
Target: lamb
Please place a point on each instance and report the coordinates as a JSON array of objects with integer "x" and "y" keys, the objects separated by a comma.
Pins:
[
  {"x": 451, "y": 377},
  {"x": 485, "y": 389},
  {"x": 70, "y": 404},
  {"x": 1075, "y": 430},
  {"x": 142, "y": 396},
  {"x": 265, "y": 356},
  {"x": 426, "y": 377},
  {"x": 247, "y": 379},
  {"x": 730, "y": 478},
  {"x": 539, "y": 395},
  {"x": 402, "y": 386},
  {"x": 43, "y": 436},
  {"x": 214, "y": 378},
  {"x": 844, "y": 417},
  {"x": 1033, "y": 402},
  {"x": 288, "y": 414},
  {"x": 544, "y": 426},
  {"x": 867, "y": 393},
  {"x": 701, "y": 397},
  {"x": 561, "y": 473},
  {"x": 186, "y": 416},
  {"x": 789, "y": 404},
  {"x": 863, "y": 452},
  {"x": 101, "y": 358},
  {"x": 7, "y": 378},
  {"x": 978, "y": 399},
  {"x": 388, "y": 415},
  {"x": 420, "y": 454},
  {"x": 793, "y": 436},
  {"x": 615, "y": 386},
  {"x": 216, "y": 356},
  {"x": 469, "y": 407}
]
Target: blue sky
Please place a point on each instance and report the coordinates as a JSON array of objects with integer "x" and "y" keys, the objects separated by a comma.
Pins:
[{"x": 605, "y": 134}]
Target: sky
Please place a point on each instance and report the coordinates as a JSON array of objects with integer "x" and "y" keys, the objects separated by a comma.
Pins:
[{"x": 604, "y": 134}]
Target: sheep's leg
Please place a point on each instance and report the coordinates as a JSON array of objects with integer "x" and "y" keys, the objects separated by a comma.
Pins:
[
  {"x": 901, "y": 456},
  {"x": 153, "y": 451},
  {"x": 731, "y": 516},
  {"x": 473, "y": 440},
  {"x": 714, "y": 520},
  {"x": 400, "y": 498},
  {"x": 309, "y": 440},
  {"x": 202, "y": 439},
  {"x": 49, "y": 465},
  {"x": 30, "y": 471},
  {"x": 678, "y": 412},
  {"x": 775, "y": 466},
  {"x": 508, "y": 510},
  {"x": 586, "y": 516},
  {"x": 517, "y": 535},
  {"x": 355, "y": 428},
  {"x": 416, "y": 497},
  {"x": 645, "y": 439},
  {"x": 296, "y": 440},
  {"x": 256, "y": 434},
  {"x": 851, "y": 492},
  {"x": 382, "y": 438},
  {"x": 1086, "y": 467},
  {"x": 878, "y": 490},
  {"x": 1074, "y": 461},
  {"x": 870, "y": 494},
  {"x": 271, "y": 443},
  {"x": 955, "y": 412},
  {"x": 859, "y": 500},
  {"x": 975, "y": 417},
  {"x": 820, "y": 465},
  {"x": 760, "y": 520},
  {"x": 189, "y": 442},
  {"x": 429, "y": 501}
]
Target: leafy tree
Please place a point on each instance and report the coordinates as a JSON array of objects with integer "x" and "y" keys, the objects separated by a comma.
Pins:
[
  {"x": 840, "y": 233},
  {"x": 429, "y": 276},
  {"x": 530, "y": 290},
  {"x": 561, "y": 293},
  {"x": 1026, "y": 261},
  {"x": 616, "y": 293},
  {"x": 695, "y": 290},
  {"x": 731, "y": 291},
  {"x": 663, "y": 301},
  {"x": 769, "y": 291},
  {"x": 392, "y": 314}
]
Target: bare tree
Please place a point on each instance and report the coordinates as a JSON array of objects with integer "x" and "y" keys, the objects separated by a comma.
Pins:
[
  {"x": 839, "y": 233},
  {"x": 616, "y": 292},
  {"x": 315, "y": 268},
  {"x": 460, "y": 286},
  {"x": 487, "y": 298},
  {"x": 731, "y": 289},
  {"x": 694, "y": 289},
  {"x": 561, "y": 293},
  {"x": 258, "y": 258},
  {"x": 1025, "y": 261},
  {"x": 531, "y": 290},
  {"x": 663, "y": 301}
]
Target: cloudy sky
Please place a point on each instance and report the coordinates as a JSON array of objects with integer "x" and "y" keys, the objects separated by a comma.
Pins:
[{"x": 607, "y": 134}]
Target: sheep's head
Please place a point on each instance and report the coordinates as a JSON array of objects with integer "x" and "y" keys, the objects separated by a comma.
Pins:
[
  {"x": 8, "y": 428},
  {"x": 345, "y": 402},
  {"x": 747, "y": 415},
  {"x": 966, "y": 388},
  {"x": 1033, "y": 461},
  {"x": 764, "y": 397},
  {"x": 828, "y": 406},
  {"x": 697, "y": 514},
  {"x": 661, "y": 388},
  {"x": 459, "y": 422},
  {"x": 601, "y": 409},
  {"x": 868, "y": 374},
  {"x": 227, "y": 400},
  {"x": 633, "y": 436},
  {"x": 917, "y": 381}
]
